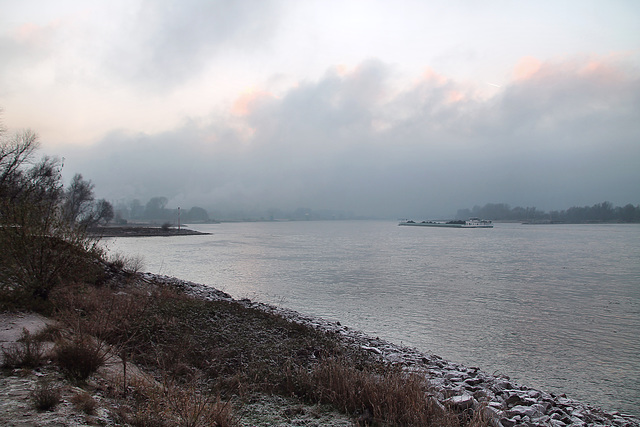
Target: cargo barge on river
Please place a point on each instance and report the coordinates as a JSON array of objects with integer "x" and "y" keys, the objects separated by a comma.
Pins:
[{"x": 470, "y": 223}]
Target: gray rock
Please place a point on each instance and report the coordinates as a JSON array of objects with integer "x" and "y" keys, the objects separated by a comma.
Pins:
[
  {"x": 460, "y": 403},
  {"x": 509, "y": 422},
  {"x": 473, "y": 381},
  {"x": 575, "y": 421},
  {"x": 533, "y": 411},
  {"x": 492, "y": 414},
  {"x": 502, "y": 385},
  {"x": 514, "y": 400},
  {"x": 454, "y": 376}
]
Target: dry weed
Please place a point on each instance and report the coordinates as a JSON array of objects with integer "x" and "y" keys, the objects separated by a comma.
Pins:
[
  {"x": 172, "y": 404},
  {"x": 28, "y": 352},
  {"x": 129, "y": 264},
  {"x": 384, "y": 395},
  {"x": 195, "y": 409},
  {"x": 46, "y": 396},
  {"x": 80, "y": 357},
  {"x": 84, "y": 402}
]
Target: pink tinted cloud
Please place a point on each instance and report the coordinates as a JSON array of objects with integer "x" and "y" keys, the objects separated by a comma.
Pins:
[
  {"x": 609, "y": 67},
  {"x": 455, "y": 96},
  {"x": 604, "y": 68},
  {"x": 526, "y": 68},
  {"x": 431, "y": 76},
  {"x": 32, "y": 34},
  {"x": 248, "y": 101}
]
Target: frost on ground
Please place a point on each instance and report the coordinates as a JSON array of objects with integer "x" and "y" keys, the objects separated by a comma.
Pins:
[
  {"x": 17, "y": 385},
  {"x": 16, "y": 407},
  {"x": 504, "y": 402},
  {"x": 277, "y": 411}
]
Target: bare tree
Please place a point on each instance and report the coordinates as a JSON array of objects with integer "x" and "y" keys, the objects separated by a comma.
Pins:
[
  {"x": 39, "y": 250},
  {"x": 103, "y": 212},
  {"x": 15, "y": 153},
  {"x": 78, "y": 198}
]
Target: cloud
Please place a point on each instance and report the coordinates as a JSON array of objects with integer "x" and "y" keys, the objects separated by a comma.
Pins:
[
  {"x": 526, "y": 68},
  {"x": 570, "y": 98},
  {"x": 27, "y": 46},
  {"x": 166, "y": 43},
  {"x": 249, "y": 100},
  {"x": 565, "y": 135}
]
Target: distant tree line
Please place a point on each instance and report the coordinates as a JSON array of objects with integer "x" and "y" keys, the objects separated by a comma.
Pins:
[
  {"x": 600, "y": 212},
  {"x": 155, "y": 210}
]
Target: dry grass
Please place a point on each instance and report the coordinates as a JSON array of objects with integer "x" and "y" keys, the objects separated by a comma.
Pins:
[
  {"x": 28, "y": 352},
  {"x": 193, "y": 408},
  {"x": 377, "y": 394},
  {"x": 206, "y": 353},
  {"x": 84, "y": 402},
  {"x": 80, "y": 357},
  {"x": 176, "y": 405},
  {"x": 50, "y": 333},
  {"x": 46, "y": 396},
  {"x": 129, "y": 264}
]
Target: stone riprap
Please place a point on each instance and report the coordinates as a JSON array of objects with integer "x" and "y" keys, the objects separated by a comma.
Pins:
[{"x": 505, "y": 403}]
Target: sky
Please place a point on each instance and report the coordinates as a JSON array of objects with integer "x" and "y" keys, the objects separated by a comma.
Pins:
[{"x": 398, "y": 109}]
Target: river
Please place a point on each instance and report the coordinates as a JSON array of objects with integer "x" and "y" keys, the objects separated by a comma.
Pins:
[{"x": 555, "y": 307}]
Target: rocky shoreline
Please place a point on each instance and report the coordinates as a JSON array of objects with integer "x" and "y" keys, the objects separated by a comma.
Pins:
[{"x": 505, "y": 403}]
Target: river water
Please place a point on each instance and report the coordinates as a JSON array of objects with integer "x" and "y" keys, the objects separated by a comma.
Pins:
[{"x": 555, "y": 307}]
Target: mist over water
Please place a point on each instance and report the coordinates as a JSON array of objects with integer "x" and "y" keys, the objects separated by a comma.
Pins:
[{"x": 554, "y": 307}]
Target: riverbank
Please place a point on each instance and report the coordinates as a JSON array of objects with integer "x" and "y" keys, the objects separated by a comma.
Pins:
[
  {"x": 99, "y": 400},
  {"x": 142, "y": 231},
  {"x": 464, "y": 390},
  {"x": 503, "y": 402}
]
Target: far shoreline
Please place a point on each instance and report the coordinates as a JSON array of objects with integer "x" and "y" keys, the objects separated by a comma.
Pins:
[{"x": 142, "y": 231}]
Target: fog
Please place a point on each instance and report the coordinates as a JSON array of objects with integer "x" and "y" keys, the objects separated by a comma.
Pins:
[
  {"x": 376, "y": 109},
  {"x": 567, "y": 136}
]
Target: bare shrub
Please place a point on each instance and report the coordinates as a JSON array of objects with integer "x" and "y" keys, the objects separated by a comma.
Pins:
[
  {"x": 143, "y": 418},
  {"x": 26, "y": 353},
  {"x": 129, "y": 264},
  {"x": 386, "y": 396},
  {"x": 79, "y": 358},
  {"x": 194, "y": 409},
  {"x": 45, "y": 396},
  {"x": 40, "y": 252},
  {"x": 108, "y": 316},
  {"x": 99, "y": 311},
  {"x": 84, "y": 402},
  {"x": 51, "y": 333},
  {"x": 175, "y": 405}
]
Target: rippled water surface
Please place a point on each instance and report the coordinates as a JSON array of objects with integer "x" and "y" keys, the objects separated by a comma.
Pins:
[{"x": 556, "y": 307}]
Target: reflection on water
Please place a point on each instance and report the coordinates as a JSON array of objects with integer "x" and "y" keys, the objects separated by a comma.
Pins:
[{"x": 555, "y": 307}]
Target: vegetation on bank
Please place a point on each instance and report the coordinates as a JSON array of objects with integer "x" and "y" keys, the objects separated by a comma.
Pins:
[
  {"x": 42, "y": 225},
  {"x": 599, "y": 213},
  {"x": 208, "y": 358},
  {"x": 205, "y": 359}
]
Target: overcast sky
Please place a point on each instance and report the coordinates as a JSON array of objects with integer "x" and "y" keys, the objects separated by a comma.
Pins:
[{"x": 397, "y": 108}]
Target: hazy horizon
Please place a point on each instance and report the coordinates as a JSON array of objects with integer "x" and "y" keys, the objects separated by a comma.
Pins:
[{"x": 390, "y": 110}]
